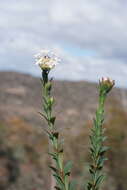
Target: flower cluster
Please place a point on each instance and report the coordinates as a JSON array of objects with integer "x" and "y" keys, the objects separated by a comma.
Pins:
[{"x": 46, "y": 59}]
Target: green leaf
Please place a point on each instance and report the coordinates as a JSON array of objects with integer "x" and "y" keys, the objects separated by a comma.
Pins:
[
  {"x": 99, "y": 180},
  {"x": 103, "y": 150},
  {"x": 89, "y": 185},
  {"x": 68, "y": 167},
  {"x": 43, "y": 116},
  {"x": 45, "y": 100},
  {"x": 55, "y": 134},
  {"x": 48, "y": 86},
  {"x": 53, "y": 169},
  {"x": 91, "y": 171},
  {"x": 100, "y": 161},
  {"x": 51, "y": 136},
  {"x": 52, "y": 120},
  {"x": 57, "y": 188},
  {"x": 54, "y": 156},
  {"x": 104, "y": 138},
  {"x": 45, "y": 108},
  {"x": 59, "y": 181}
]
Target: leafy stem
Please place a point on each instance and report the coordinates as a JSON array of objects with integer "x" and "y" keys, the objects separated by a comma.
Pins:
[
  {"x": 60, "y": 172},
  {"x": 97, "y": 138}
]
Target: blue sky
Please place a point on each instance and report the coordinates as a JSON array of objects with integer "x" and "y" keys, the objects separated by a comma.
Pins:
[{"x": 89, "y": 35}]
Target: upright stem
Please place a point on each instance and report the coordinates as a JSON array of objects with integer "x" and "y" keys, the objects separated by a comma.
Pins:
[
  {"x": 60, "y": 173},
  {"x": 97, "y": 138}
]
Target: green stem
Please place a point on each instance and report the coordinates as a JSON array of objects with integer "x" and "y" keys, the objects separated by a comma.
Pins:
[
  {"x": 97, "y": 148},
  {"x": 62, "y": 179}
]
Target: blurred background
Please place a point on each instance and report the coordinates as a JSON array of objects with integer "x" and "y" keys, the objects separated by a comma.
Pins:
[{"x": 90, "y": 38}]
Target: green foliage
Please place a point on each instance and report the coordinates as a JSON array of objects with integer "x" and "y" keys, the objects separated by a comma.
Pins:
[{"x": 68, "y": 167}]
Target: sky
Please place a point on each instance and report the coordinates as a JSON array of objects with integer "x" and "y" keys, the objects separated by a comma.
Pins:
[{"x": 90, "y": 37}]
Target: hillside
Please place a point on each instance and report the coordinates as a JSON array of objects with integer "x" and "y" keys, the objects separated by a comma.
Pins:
[{"x": 23, "y": 144}]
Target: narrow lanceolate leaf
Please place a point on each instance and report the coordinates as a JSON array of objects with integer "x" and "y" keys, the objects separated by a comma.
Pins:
[
  {"x": 104, "y": 138},
  {"x": 43, "y": 116},
  {"x": 59, "y": 181},
  {"x": 89, "y": 186},
  {"x": 103, "y": 150},
  {"x": 55, "y": 134},
  {"x": 45, "y": 100},
  {"x": 100, "y": 179},
  {"x": 54, "y": 155},
  {"x": 57, "y": 188},
  {"x": 53, "y": 169},
  {"x": 52, "y": 120},
  {"x": 68, "y": 167},
  {"x": 46, "y": 108}
]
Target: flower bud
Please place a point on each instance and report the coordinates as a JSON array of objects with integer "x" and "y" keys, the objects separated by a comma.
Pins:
[
  {"x": 48, "y": 86},
  {"x": 106, "y": 85}
]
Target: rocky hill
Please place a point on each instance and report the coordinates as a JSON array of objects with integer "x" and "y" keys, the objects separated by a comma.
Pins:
[{"x": 23, "y": 144}]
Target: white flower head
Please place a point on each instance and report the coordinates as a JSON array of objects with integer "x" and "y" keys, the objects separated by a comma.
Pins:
[
  {"x": 107, "y": 80},
  {"x": 46, "y": 59},
  {"x": 106, "y": 84}
]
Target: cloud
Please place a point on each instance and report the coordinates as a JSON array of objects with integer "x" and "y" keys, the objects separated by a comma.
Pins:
[{"x": 94, "y": 26}]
